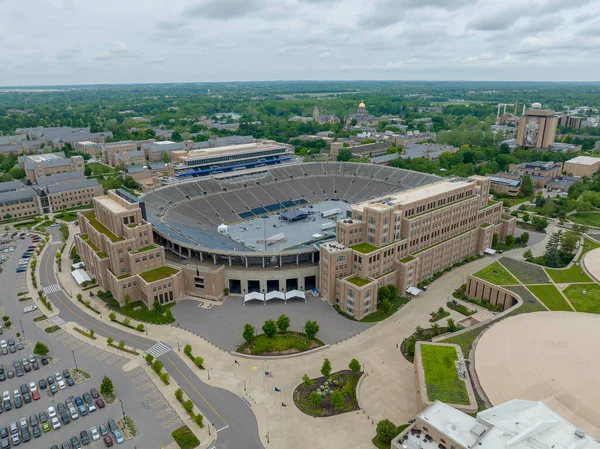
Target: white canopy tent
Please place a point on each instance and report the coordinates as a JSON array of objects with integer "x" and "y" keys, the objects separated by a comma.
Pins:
[
  {"x": 80, "y": 276},
  {"x": 274, "y": 295},
  {"x": 295, "y": 294},
  {"x": 489, "y": 251},
  {"x": 223, "y": 228},
  {"x": 254, "y": 296},
  {"x": 414, "y": 291}
]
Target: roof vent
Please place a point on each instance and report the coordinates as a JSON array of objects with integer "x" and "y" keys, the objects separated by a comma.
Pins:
[{"x": 579, "y": 432}]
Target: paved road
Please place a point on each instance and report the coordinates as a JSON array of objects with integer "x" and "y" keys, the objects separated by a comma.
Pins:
[{"x": 231, "y": 416}]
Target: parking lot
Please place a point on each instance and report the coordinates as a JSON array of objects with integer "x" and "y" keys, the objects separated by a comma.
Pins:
[{"x": 153, "y": 419}]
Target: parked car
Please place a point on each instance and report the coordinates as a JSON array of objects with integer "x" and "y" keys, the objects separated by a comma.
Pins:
[
  {"x": 103, "y": 430},
  {"x": 53, "y": 389},
  {"x": 70, "y": 382},
  {"x": 100, "y": 403},
  {"x": 118, "y": 437},
  {"x": 43, "y": 417},
  {"x": 94, "y": 393},
  {"x": 36, "y": 432},
  {"x": 94, "y": 433},
  {"x": 84, "y": 437},
  {"x": 56, "y": 423},
  {"x": 42, "y": 384},
  {"x": 112, "y": 425},
  {"x": 75, "y": 443},
  {"x": 108, "y": 442}
]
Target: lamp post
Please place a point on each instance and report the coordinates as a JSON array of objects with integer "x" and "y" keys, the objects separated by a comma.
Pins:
[
  {"x": 178, "y": 347},
  {"x": 22, "y": 330},
  {"x": 74, "y": 359},
  {"x": 122, "y": 407},
  {"x": 208, "y": 373}
]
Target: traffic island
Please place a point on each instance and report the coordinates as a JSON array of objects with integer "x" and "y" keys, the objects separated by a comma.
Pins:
[
  {"x": 282, "y": 343},
  {"x": 328, "y": 396}
]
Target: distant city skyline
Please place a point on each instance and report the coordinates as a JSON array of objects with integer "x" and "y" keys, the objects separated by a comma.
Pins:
[{"x": 71, "y": 42}]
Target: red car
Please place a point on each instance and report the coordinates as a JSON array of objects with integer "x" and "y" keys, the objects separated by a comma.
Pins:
[
  {"x": 108, "y": 442},
  {"x": 35, "y": 395},
  {"x": 100, "y": 403}
]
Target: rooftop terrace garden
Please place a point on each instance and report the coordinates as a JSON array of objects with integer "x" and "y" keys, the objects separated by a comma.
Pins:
[
  {"x": 364, "y": 248},
  {"x": 158, "y": 273},
  {"x": 358, "y": 281},
  {"x": 496, "y": 274},
  {"x": 441, "y": 376},
  {"x": 91, "y": 216}
]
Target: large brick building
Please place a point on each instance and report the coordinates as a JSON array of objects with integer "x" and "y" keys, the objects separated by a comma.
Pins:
[
  {"x": 40, "y": 165},
  {"x": 117, "y": 247},
  {"x": 404, "y": 238}
]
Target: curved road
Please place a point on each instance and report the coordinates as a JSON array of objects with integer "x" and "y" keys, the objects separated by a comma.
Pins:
[{"x": 232, "y": 418}]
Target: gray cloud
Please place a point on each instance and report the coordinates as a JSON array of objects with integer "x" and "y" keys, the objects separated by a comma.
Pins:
[
  {"x": 224, "y": 9},
  {"x": 118, "y": 51}
]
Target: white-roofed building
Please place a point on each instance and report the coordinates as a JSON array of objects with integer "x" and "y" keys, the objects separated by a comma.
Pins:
[
  {"x": 582, "y": 166},
  {"x": 516, "y": 424}
]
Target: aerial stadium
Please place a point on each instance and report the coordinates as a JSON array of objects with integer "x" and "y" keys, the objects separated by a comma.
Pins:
[{"x": 260, "y": 230}]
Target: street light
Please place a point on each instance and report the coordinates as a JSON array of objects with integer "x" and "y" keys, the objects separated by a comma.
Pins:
[
  {"x": 22, "y": 330},
  {"x": 122, "y": 408},
  {"x": 74, "y": 359},
  {"x": 208, "y": 373},
  {"x": 178, "y": 348}
]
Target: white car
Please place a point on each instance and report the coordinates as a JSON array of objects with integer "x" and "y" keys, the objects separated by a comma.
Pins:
[
  {"x": 6, "y": 396},
  {"x": 73, "y": 413},
  {"x": 3, "y": 344},
  {"x": 11, "y": 249},
  {"x": 55, "y": 423},
  {"x": 51, "y": 412},
  {"x": 57, "y": 376},
  {"x": 29, "y": 309},
  {"x": 32, "y": 386},
  {"x": 95, "y": 434},
  {"x": 91, "y": 407},
  {"x": 61, "y": 384}
]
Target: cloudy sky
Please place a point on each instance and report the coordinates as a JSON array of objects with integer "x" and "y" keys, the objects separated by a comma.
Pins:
[{"x": 123, "y": 41}]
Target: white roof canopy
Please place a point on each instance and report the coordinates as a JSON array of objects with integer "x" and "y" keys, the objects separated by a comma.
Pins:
[
  {"x": 274, "y": 295},
  {"x": 254, "y": 296},
  {"x": 295, "y": 294},
  {"x": 413, "y": 291},
  {"x": 80, "y": 276},
  {"x": 489, "y": 251}
]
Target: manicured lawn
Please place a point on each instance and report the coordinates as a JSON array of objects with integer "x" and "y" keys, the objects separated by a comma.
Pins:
[
  {"x": 69, "y": 216},
  {"x": 378, "y": 315},
  {"x": 587, "y": 242},
  {"x": 363, "y": 248},
  {"x": 496, "y": 274},
  {"x": 158, "y": 273},
  {"x": 441, "y": 376},
  {"x": 148, "y": 315},
  {"x": 514, "y": 201},
  {"x": 100, "y": 169},
  {"x": 439, "y": 315},
  {"x": 91, "y": 216},
  {"x": 573, "y": 274},
  {"x": 288, "y": 343},
  {"x": 145, "y": 248},
  {"x": 527, "y": 273},
  {"x": 550, "y": 296},
  {"x": 590, "y": 302},
  {"x": 358, "y": 281},
  {"x": 586, "y": 219}
]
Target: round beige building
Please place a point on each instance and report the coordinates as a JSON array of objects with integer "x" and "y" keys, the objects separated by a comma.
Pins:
[{"x": 549, "y": 356}]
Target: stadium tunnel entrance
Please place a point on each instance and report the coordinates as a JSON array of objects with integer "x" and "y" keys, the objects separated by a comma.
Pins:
[
  {"x": 310, "y": 282},
  {"x": 235, "y": 286},
  {"x": 272, "y": 285}
]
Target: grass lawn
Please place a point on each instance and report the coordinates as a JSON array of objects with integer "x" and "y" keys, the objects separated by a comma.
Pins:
[
  {"x": 148, "y": 315},
  {"x": 550, "y": 296},
  {"x": 441, "y": 376},
  {"x": 364, "y": 248},
  {"x": 69, "y": 216},
  {"x": 100, "y": 169},
  {"x": 158, "y": 273},
  {"x": 573, "y": 274},
  {"x": 514, "y": 201},
  {"x": 185, "y": 438},
  {"x": 587, "y": 242},
  {"x": 586, "y": 219},
  {"x": 91, "y": 216},
  {"x": 525, "y": 272},
  {"x": 496, "y": 274},
  {"x": 590, "y": 302},
  {"x": 439, "y": 315},
  {"x": 378, "y": 315},
  {"x": 358, "y": 281},
  {"x": 288, "y": 343}
]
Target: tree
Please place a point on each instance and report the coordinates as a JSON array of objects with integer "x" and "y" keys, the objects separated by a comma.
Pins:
[
  {"x": 199, "y": 361},
  {"x": 509, "y": 240},
  {"x": 40, "y": 349},
  {"x": 121, "y": 344},
  {"x": 393, "y": 292},
  {"x": 528, "y": 254},
  {"x": 306, "y": 381},
  {"x": 179, "y": 394},
  {"x": 344, "y": 155},
  {"x": 127, "y": 300},
  {"x": 187, "y": 349},
  {"x": 337, "y": 400},
  {"x": 188, "y": 406},
  {"x": 386, "y": 306},
  {"x": 149, "y": 358},
  {"x": 311, "y": 329},
  {"x": 112, "y": 316},
  {"x": 109, "y": 341},
  {"x": 386, "y": 431},
  {"x": 199, "y": 419},
  {"x": 158, "y": 308},
  {"x": 283, "y": 323},
  {"x": 106, "y": 387},
  {"x": 495, "y": 239},
  {"x": 87, "y": 171},
  {"x": 383, "y": 293},
  {"x": 270, "y": 328},
  {"x": 165, "y": 157},
  {"x": 526, "y": 217},
  {"x": 79, "y": 296},
  {"x": 17, "y": 172},
  {"x": 552, "y": 255},
  {"x": 526, "y": 186},
  {"x": 248, "y": 333},
  {"x": 524, "y": 237},
  {"x": 451, "y": 326},
  {"x": 539, "y": 223},
  {"x": 326, "y": 368},
  {"x": 354, "y": 366},
  {"x": 157, "y": 366},
  {"x": 435, "y": 328},
  {"x": 315, "y": 399},
  {"x": 568, "y": 242}
]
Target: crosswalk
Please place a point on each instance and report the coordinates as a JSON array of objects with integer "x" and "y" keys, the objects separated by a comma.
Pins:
[
  {"x": 159, "y": 349},
  {"x": 52, "y": 288},
  {"x": 57, "y": 320}
]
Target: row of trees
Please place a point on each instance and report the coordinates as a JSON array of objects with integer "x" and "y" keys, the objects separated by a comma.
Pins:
[{"x": 281, "y": 325}]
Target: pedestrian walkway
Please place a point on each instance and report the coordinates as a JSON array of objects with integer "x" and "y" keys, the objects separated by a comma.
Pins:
[
  {"x": 57, "y": 320},
  {"x": 159, "y": 349},
  {"x": 52, "y": 288}
]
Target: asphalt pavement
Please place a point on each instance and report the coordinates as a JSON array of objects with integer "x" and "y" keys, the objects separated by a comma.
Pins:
[{"x": 232, "y": 417}]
